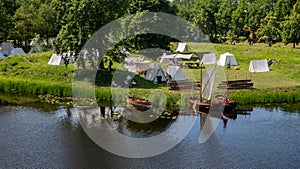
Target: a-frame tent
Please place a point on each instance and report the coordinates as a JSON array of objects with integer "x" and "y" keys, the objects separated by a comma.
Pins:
[
  {"x": 6, "y": 48},
  {"x": 175, "y": 73},
  {"x": 182, "y": 47},
  {"x": 1, "y": 56},
  {"x": 56, "y": 60},
  {"x": 259, "y": 66},
  {"x": 17, "y": 51},
  {"x": 155, "y": 74},
  {"x": 210, "y": 58},
  {"x": 227, "y": 59}
]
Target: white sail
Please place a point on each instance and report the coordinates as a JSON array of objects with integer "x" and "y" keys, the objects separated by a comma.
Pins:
[{"x": 208, "y": 82}]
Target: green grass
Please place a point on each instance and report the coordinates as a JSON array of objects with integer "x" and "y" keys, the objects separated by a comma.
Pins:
[
  {"x": 283, "y": 73},
  {"x": 30, "y": 74}
]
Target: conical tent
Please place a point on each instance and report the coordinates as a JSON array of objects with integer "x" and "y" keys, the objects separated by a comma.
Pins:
[
  {"x": 17, "y": 51},
  {"x": 6, "y": 48},
  {"x": 176, "y": 73},
  {"x": 259, "y": 66},
  {"x": 155, "y": 74},
  {"x": 227, "y": 58}
]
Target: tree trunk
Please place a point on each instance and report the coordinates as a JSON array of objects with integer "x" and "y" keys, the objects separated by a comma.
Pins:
[{"x": 101, "y": 65}]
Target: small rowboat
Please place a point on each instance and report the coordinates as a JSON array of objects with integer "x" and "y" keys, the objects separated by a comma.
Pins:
[{"x": 139, "y": 102}]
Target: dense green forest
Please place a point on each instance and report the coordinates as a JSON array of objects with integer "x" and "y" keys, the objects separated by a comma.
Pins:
[{"x": 73, "y": 22}]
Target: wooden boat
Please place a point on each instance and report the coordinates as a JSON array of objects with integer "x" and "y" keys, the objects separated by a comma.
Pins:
[
  {"x": 139, "y": 102},
  {"x": 203, "y": 103}
]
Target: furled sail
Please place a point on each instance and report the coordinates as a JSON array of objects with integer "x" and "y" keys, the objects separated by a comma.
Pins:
[{"x": 208, "y": 82}]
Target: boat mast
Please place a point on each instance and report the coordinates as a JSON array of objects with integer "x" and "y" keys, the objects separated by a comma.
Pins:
[{"x": 200, "y": 82}]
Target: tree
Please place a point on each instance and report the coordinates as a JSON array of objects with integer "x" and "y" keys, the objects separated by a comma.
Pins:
[
  {"x": 270, "y": 27},
  {"x": 24, "y": 21},
  {"x": 239, "y": 19},
  {"x": 183, "y": 8},
  {"x": 81, "y": 19},
  {"x": 283, "y": 9},
  {"x": 291, "y": 26},
  {"x": 150, "y": 6},
  {"x": 204, "y": 17},
  {"x": 7, "y": 8},
  {"x": 223, "y": 17},
  {"x": 46, "y": 21}
]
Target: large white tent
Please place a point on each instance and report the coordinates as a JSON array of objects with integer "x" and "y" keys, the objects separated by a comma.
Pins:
[
  {"x": 175, "y": 73},
  {"x": 166, "y": 58},
  {"x": 56, "y": 60},
  {"x": 6, "y": 48},
  {"x": 227, "y": 58},
  {"x": 137, "y": 66},
  {"x": 210, "y": 58},
  {"x": 17, "y": 51},
  {"x": 182, "y": 47},
  {"x": 1, "y": 56},
  {"x": 185, "y": 56},
  {"x": 259, "y": 66},
  {"x": 155, "y": 74}
]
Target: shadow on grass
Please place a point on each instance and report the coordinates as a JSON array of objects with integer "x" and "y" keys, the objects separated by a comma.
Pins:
[{"x": 104, "y": 78}]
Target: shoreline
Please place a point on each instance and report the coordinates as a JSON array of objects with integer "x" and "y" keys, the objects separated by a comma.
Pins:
[{"x": 22, "y": 87}]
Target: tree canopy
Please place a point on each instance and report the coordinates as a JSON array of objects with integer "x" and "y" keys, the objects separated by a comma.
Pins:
[{"x": 73, "y": 22}]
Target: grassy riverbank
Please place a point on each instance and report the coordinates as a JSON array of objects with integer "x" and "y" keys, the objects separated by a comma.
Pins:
[{"x": 31, "y": 75}]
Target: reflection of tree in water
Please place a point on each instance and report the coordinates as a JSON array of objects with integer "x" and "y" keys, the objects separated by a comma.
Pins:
[{"x": 148, "y": 129}]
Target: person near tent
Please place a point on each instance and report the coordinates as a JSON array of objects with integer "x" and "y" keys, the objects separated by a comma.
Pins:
[
  {"x": 133, "y": 83},
  {"x": 175, "y": 62},
  {"x": 114, "y": 84},
  {"x": 168, "y": 77},
  {"x": 228, "y": 65},
  {"x": 129, "y": 77}
]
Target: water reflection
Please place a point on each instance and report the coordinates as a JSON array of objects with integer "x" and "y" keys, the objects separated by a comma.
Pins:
[{"x": 268, "y": 137}]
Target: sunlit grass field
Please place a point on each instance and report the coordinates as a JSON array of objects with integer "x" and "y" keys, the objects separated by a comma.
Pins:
[{"x": 31, "y": 74}]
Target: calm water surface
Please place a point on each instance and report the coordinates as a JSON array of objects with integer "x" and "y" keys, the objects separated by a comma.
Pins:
[{"x": 49, "y": 138}]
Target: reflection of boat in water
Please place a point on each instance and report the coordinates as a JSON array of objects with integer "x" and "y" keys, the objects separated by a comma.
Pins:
[
  {"x": 137, "y": 102},
  {"x": 204, "y": 104}
]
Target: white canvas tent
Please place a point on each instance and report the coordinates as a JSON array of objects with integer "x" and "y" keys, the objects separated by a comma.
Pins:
[
  {"x": 227, "y": 58},
  {"x": 1, "y": 56},
  {"x": 139, "y": 66},
  {"x": 259, "y": 66},
  {"x": 210, "y": 58},
  {"x": 17, "y": 51},
  {"x": 166, "y": 58},
  {"x": 185, "y": 56},
  {"x": 155, "y": 74},
  {"x": 56, "y": 60},
  {"x": 175, "y": 73},
  {"x": 181, "y": 47},
  {"x": 6, "y": 48}
]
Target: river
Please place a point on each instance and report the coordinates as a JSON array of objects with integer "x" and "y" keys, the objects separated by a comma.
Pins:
[{"x": 42, "y": 135}]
